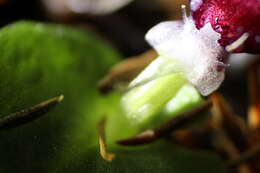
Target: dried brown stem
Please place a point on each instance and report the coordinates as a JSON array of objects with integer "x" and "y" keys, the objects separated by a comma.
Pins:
[
  {"x": 197, "y": 138},
  {"x": 126, "y": 71},
  {"x": 225, "y": 145},
  {"x": 230, "y": 135},
  {"x": 246, "y": 156},
  {"x": 27, "y": 115},
  {"x": 151, "y": 135},
  {"x": 226, "y": 119},
  {"x": 102, "y": 142}
]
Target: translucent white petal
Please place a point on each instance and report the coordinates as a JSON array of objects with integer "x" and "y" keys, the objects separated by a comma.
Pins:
[
  {"x": 162, "y": 32},
  {"x": 196, "y": 51}
]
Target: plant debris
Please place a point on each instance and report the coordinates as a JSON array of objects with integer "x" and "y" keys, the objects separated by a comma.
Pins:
[
  {"x": 124, "y": 72},
  {"x": 27, "y": 115},
  {"x": 102, "y": 142}
]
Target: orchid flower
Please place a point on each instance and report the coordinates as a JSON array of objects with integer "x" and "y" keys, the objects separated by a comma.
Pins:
[{"x": 193, "y": 51}]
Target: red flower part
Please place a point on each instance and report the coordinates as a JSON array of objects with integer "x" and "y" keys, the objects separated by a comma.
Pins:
[{"x": 232, "y": 19}]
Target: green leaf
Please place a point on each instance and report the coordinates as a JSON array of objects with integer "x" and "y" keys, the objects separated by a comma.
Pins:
[{"x": 40, "y": 61}]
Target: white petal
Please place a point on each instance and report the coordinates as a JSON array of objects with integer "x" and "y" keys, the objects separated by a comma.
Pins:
[
  {"x": 162, "y": 32},
  {"x": 197, "y": 51}
]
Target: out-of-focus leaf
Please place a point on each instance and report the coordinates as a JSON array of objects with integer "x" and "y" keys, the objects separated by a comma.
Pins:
[{"x": 40, "y": 61}]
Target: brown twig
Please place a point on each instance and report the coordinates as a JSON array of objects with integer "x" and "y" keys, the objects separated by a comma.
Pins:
[
  {"x": 225, "y": 118},
  {"x": 224, "y": 144},
  {"x": 125, "y": 71},
  {"x": 246, "y": 156},
  {"x": 230, "y": 133},
  {"x": 195, "y": 138},
  {"x": 151, "y": 135},
  {"x": 27, "y": 115}
]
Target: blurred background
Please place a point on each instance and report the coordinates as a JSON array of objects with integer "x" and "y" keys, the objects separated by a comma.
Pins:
[{"x": 122, "y": 22}]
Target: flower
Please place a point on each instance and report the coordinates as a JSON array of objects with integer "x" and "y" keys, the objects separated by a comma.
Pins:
[
  {"x": 195, "y": 52},
  {"x": 230, "y": 18},
  {"x": 186, "y": 56},
  {"x": 200, "y": 44}
]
